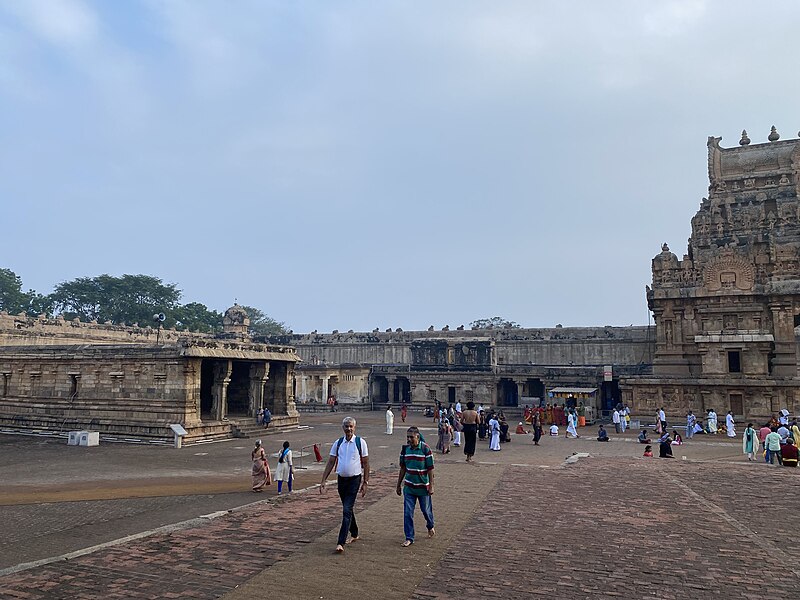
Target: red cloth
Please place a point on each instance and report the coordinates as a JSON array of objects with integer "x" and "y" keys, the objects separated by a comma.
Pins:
[{"x": 317, "y": 453}]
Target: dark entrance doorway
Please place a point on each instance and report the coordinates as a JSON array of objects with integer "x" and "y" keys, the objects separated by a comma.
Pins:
[
  {"x": 451, "y": 394},
  {"x": 206, "y": 383},
  {"x": 239, "y": 389},
  {"x": 610, "y": 395},
  {"x": 507, "y": 393}
]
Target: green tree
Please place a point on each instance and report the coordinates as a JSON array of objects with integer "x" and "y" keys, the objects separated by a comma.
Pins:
[
  {"x": 195, "y": 316},
  {"x": 127, "y": 299},
  {"x": 261, "y": 324},
  {"x": 14, "y": 301},
  {"x": 495, "y": 322}
]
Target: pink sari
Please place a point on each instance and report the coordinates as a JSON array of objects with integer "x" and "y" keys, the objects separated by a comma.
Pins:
[{"x": 261, "y": 473}]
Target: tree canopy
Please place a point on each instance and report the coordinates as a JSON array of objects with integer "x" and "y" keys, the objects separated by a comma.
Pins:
[
  {"x": 261, "y": 324},
  {"x": 495, "y": 323},
  {"x": 127, "y": 299}
]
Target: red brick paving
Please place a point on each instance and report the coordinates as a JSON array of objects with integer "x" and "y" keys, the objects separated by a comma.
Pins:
[
  {"x": 200, "y": 562},
  {"x": 627, "y": 528}
]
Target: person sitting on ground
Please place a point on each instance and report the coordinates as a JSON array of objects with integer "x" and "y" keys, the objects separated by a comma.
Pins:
[
  {"x": 665, "y": 447},
  {"x": 643, "y": 439},
  {"x": 698, "y": 427},
  {"x": 789, "y": 453},
  {"x": 664, "y": 438},
  {"x": 553, "y": 429},
  {"x": 648, "y": 452},
  {"x": 677, "y": 439},
  {"x": 602, "y": 435},
  {"x": 521, "y": 429}
]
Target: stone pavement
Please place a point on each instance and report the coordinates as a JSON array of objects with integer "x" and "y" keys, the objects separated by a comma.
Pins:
[{"x": 603, "y": 527}]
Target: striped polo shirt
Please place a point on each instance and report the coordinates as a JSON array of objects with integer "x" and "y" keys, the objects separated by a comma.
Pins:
[{"x": 418, "y": 462}]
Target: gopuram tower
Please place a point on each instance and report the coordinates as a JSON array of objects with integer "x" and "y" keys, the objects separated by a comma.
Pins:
[{"x": 726, "y": 313}]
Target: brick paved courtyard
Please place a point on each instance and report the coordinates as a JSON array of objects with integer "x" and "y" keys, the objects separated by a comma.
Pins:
[{"x": 602, "y": 527}]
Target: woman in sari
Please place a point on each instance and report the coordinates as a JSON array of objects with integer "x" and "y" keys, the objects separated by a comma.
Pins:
[
  {"x": 260, "y": 472},
  {"x": 537, "y": 428},
  {"x": 481, "y": 425},
  {"x": 403, "y": 412},
  {"x": 659, "y": 428}
]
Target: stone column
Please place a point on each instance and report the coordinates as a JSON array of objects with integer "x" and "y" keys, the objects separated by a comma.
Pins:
[
  {"x": 520, "y": 390},
  {"x": 324, "y": 378},
  {"x": 785, "y": 363},
  {"x": 391, "y": 397},
  {"x": 219, "y": 389},
  {"x": 258, "y": 378},
  {"x": 291, "y": 407}
]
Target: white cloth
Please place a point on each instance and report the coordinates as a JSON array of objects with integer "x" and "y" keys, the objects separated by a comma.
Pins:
[
  {"x": 458, "y": 406},
  {"x": 283, "y": 469},
  {"x": 729, "y": 425},
  {"x": 389, "y": 421},
  {"x": 615, "y": 416},
  {"x": 662, "y": 416},
  {"x": 571, "y": 425},
  {"x": 553, "y": 429},
  {"x": 494, "y": 428},
  {"x": 457, "y": 438},
  {"x": 622, "y": 422},
  {"x": 712, "y": 422},
  {"x": 349, "y": 463}
]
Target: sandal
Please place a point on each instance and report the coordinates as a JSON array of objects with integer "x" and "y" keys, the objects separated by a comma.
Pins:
[{"x": 407, "y": 543}]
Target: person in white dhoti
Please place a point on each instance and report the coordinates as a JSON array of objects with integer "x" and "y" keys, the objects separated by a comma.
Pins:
[
  {"x": 712, "y": 421},
  {"x": 494, "y": 430},
  {"x": 622, "y": 422},
  {"x": 389, "y": 420},
  {"x": 729, "y": 424},
  {"x": 571, "y": 419}
]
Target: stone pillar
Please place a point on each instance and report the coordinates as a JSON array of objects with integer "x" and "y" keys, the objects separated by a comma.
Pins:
[
  {"x": 191, "y": 375},
  {"x": 291, "y": 407},
  {"x": 258, "y": 378},
  {"x": 391, "y": 396},
  {"x": 324, "y": 378},
  {"x": 520, "y": 390},
  {"x": 785, "y": 363},
  {"x": 219, "y": 389}
]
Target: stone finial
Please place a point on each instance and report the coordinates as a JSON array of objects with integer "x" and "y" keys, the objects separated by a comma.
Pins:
[
  {"x": 430, "y": 328},
  {"x": 665, "y": 247},
  {"x": 745, "y": 140},
  {"x": 376, "y": 330},
  {"x": 773, "y": 136}
]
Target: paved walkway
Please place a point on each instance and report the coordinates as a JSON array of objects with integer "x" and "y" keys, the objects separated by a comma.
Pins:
[{"x": 603, "y": 527}]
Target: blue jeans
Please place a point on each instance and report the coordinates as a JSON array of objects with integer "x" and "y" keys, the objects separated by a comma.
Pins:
[
  {"x": 771, "y": 455},
  {"x": 348, "y": 491},
  {"x": 409, "y": 503}
]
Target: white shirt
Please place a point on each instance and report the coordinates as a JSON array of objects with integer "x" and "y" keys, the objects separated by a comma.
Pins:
[
  {"x": 458, "y": 406},
  {"x": 615, "y": 417},
  {"x": 349, "y": 463},
  {"x": 662, "y": 416}
]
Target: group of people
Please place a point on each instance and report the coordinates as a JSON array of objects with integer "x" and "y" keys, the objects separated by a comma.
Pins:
[
  {"x": 261, "y": 473},
  {"x": 712, "y": 426},
  {"x": 779, "y": 442},
  {"x": 350, "y": 457},
  {"x": 264, "y": 417},
  {"x": 555, "y": 414}
]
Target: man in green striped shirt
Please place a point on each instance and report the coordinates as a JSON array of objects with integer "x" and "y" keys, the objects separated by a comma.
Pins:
[{"x": 415, "y": 482}]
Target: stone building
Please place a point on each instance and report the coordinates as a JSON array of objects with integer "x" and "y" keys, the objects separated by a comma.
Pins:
[
  {"x": 726, "y": 312},
  {"x": 135, "y": 382},
  {"x": 505, "y": 367}
]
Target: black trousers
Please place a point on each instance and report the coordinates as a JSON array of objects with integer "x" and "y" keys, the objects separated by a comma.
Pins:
[{"x": 348, "y": 491}]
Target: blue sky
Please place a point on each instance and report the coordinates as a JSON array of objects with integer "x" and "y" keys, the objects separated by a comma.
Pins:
[{"x": 351, "y": 165}]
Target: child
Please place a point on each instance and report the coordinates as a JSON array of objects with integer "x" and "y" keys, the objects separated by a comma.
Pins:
[
  {"x": 648, "y": 451},
  {"x": 553, "y": 429},
  {"x": 677, "y": 439}
]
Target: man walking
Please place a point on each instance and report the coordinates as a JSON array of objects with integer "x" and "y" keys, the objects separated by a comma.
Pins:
[
  {"x": 350, "y": 456},
  {"x": 415, "y": 482},
  {"x": 615, "y": 418}
]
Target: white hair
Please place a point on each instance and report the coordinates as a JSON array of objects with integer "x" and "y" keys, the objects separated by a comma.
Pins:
[{"x": 348, "y": 420}]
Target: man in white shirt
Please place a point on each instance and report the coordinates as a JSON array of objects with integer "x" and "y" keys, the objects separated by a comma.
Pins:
[
  {"x": 615, "y": 418},
  {"x": 458, "y": 407},
  {"x": 350, "y": 456},
  {"x": 663, "y": 417}
]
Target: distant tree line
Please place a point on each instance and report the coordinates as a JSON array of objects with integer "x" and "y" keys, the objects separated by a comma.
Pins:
[{"x": 127, "y": 299}]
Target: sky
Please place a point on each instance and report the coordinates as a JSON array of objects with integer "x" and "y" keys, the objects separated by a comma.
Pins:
[{"x": 353, "y": 165}]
